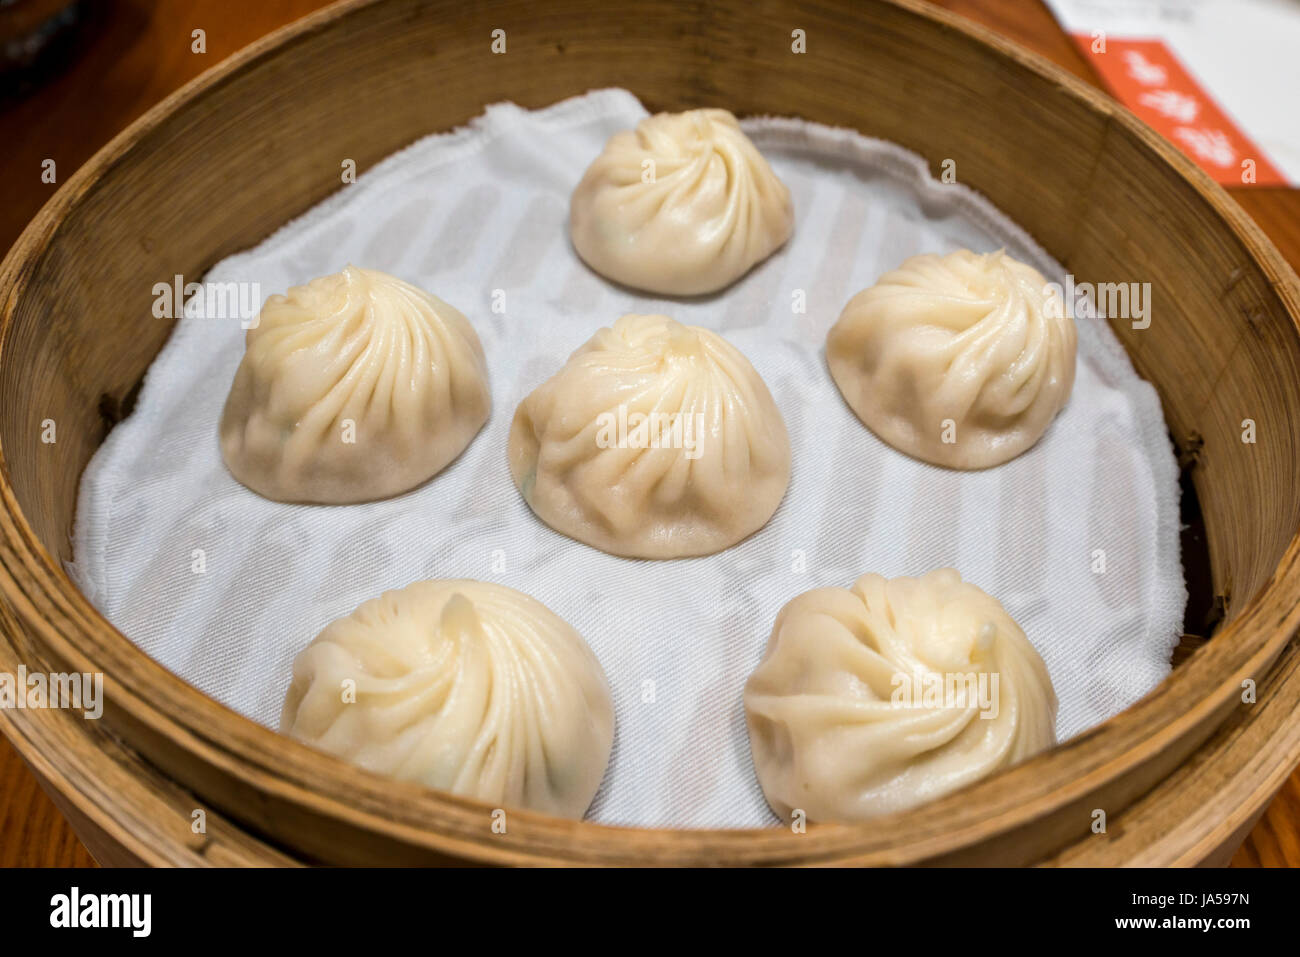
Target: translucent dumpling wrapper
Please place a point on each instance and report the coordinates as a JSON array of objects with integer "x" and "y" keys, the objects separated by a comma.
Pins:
[
  {"x": 883, "y": 696},
  {"x": 465, "y": 686},
  {"x": 655, "y": 440},
  {"x": 684, "y": 204},
  {"x": 353, "y": 387},
  {"x": 960, "y": 360}
]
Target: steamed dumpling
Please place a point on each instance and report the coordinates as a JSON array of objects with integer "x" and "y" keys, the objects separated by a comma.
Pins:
[
  {"x": 465, "y": 686},
  {"x": 353, "y": 387},
  {"x": 682, "y": 205},
  {"x": 960, "y": 360},
  {"x": 655, "y": 440},
  {"x": 883, "y": 696}
]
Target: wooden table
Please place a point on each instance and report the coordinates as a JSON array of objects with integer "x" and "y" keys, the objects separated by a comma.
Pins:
[{"x": 138, "y": 51}]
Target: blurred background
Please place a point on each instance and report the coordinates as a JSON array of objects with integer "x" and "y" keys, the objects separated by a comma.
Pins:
[{"x": 1219, "y": 78}]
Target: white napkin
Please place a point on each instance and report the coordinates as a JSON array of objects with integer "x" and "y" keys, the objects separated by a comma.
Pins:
[{"x": 484, "y": 209}]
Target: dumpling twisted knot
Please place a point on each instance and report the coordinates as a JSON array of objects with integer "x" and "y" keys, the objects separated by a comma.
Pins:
[
  {"x": 684, "y": 204},
  {"x": 354, "y": 387},
  {"x": 655, "y": 440},
  {"x": 465, "y": 686},
  {"x": 883, "y": 696},
  {"x": 960, "y": 360}
]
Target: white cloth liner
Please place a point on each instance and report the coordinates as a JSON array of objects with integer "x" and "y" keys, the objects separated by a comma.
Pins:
[{"x": 484, "y": 208}]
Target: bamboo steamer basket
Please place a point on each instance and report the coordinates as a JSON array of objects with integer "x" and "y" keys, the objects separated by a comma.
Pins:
[{"x": 1181, "y": 775}]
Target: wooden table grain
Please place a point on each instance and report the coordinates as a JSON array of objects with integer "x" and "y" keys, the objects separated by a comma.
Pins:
[{"x": 133, "y": 53}]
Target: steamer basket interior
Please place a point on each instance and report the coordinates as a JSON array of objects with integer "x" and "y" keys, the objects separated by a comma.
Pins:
[{"x": 259, "y": 139}]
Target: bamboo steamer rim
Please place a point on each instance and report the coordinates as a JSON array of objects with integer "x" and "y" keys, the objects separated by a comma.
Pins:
[{"x": 163, "y": 706}]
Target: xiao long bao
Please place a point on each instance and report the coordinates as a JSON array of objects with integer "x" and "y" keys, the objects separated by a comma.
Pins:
[
  {"x": 466, "y": 686},
  {"x": 960, "y": 360},
  {"x": 655, "y": 440},
  {"x": 354, "y": 387},
  {"x": 683, "y": 205},
  {"x": 888, "y": 694}
]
